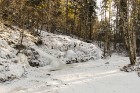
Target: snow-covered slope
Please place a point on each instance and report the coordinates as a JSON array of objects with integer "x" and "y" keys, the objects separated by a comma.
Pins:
[
  {"x": 54, "y": 53},
  {"x": 53, "y": 72},
  {"x": 69, "y": 49}
]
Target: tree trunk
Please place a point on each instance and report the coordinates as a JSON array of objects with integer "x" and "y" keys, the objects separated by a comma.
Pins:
[{"x": 128, "y": 33}]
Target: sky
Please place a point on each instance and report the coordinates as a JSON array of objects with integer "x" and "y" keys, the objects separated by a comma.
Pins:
[{"x": 98, "y": 11}]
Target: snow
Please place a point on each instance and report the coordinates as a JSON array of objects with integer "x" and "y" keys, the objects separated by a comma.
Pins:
[
  {"x": 88, "y": 73},
  {"x": 69, "y": 49},
  {"x": 22, "y": 59},
  {"x": 56, "y": 51},
  {"x": 120, "y": 83},
  {"x": 89, "y": 77}
]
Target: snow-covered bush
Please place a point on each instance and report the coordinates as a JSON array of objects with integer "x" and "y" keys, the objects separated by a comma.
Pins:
[{"x": 69, "y": 49}]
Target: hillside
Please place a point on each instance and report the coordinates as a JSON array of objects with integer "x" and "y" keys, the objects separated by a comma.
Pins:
[{"x": 54, "y": 52}]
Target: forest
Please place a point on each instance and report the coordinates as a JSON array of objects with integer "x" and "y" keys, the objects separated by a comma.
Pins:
[
  {"x": 116, "y": 26},
  {"x": 38, "y": 33}
]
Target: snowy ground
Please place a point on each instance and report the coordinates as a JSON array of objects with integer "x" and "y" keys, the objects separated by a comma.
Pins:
[{"x": 100, "y": 76}]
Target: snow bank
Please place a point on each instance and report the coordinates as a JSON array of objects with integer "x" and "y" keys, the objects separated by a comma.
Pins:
[
  {"x": 10, "y": 65},
  {"x": 55, "y": 51},
  {"x": 68, "y": 49},
  {"x": 9, "y": 68}
]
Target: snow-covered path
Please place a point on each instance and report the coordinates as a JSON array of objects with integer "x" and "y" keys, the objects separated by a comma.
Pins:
[
  {"x": 117, "y": 83},
  {"x": 101, "y": 76}
]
